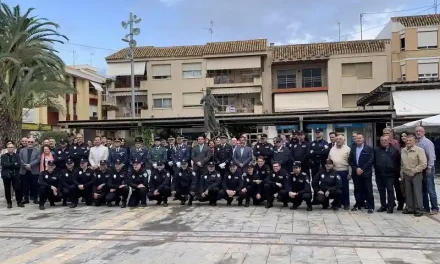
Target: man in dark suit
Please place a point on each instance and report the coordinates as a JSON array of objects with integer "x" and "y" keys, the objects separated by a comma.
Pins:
[
  {"x": 10, "y": 163},
  {"x": 29, "y": 171},
  {"x": 242, "y": 156},
  {"x": 361, "y": 162},
  {"x": 200, "y": 155}
]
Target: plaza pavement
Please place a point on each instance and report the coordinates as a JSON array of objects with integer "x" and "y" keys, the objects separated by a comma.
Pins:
[{"x": 220, "y": 235}]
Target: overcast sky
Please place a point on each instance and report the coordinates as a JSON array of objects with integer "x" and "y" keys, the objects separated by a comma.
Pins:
[{"x": 96, "y": 23}]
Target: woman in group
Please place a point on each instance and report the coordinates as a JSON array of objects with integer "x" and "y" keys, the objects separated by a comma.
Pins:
[
  {"x": 211, "y": 150},
  {"x": 46, "y": 156},
  {"x": 401, "y": 185},
  {"x": 402, "y": 140}
]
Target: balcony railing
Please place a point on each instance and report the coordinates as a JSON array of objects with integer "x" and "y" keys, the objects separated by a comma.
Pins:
[
  {"x": 108, "y": 99},
  {"x": 233, "y": 78},
  {"x": 301, "y": 82}
]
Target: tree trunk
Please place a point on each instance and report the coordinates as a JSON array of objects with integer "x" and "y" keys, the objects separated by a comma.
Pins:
[{"x": 9, "y": 130}]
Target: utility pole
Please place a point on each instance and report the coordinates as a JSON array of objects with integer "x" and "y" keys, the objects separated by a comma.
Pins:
[
  {"x": 132, "y": 44},
  {"x": 339, "y": 29},
  {"x": 435, "y": 6},
  {"x": 360, "y": 17}
]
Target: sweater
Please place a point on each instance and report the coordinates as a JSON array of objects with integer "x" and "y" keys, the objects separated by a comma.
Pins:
[{"x": 340, "y": 156}]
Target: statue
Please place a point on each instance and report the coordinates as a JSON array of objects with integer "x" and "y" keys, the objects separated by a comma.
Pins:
[{"x": 210, "y": 105}]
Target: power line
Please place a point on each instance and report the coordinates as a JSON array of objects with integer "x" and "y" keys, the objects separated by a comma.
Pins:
[
  {"x": 397, "y": 11},
  {"x": 88, "y": 46}
]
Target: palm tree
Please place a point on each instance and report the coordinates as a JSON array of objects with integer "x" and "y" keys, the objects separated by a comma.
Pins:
[{"x": 31, "y": 73}]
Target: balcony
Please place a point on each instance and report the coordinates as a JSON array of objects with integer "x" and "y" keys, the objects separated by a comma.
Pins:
[
  {"x": 123, "y": 84},
  {"x": 233, "y": 80},
  {"x": 300, "y": 84},
  {"x": 239, "y": 104},
  {"x": 109, "y": 100},
  {"x": 93, "y": 93}
]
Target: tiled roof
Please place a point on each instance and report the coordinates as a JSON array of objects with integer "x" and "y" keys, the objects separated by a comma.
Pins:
[
  {"x": 418, "y": 21},
  {"x": 301, "y": 51},
  {"x": 212, "y": 48}
]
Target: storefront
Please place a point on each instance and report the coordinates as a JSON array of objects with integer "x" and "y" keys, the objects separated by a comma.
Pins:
[{"x": 346, "y": 129}]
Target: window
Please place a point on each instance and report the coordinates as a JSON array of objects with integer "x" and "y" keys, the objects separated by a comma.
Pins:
[
  {"x": 138, "y": 106},
  {"x": 192, "y": 70},
  {"x": 226, "y": 102},
  {"x": 162, "y": 101},
  {"x": 402, "y": 42},
  {"x": 286, "y": 79},
  {"x": 403, "y": 72},
  {"x": 125, "y": 81},
  {"x": 191, "y": 99},
  {"x": 161, "y": 71},
  {"x": 93, "y": 110},
  {"x": 363, "y": 70},
  {"x": 311, "y": 77},
  {"x": 428, "y": 71},
  {"x": 427, "y": 39}
]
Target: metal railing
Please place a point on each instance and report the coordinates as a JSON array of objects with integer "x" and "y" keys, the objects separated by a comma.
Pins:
[
  {"x": 109, "y": 99},
  {"x": 235, "y": 109},
  {"x": 304, "y": 82},
  {"x": 234, "y": 78}
]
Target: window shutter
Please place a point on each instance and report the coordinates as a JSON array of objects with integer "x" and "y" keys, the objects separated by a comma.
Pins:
[
  {"x": 428, "y": 68},
  {"x": 349, "y": 69},
  {"x": 364, "y": 70},
  {"x": 192, "y": 67},
  {"x": 191, "y": 99},
  {"x": 427, "y": 39},
  {"x": 162, "y": 70}
]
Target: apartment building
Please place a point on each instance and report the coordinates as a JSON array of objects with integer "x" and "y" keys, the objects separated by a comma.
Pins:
[
  {"x": 327, "y": 77},
  {"x": 171, "y": 81},
  {"x": 414, "y": 90},
  {"x": 85, "y": 104}
]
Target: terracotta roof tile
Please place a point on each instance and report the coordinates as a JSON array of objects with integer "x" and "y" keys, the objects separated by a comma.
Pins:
[
  {"x": 301, "y": 51},
  {"x": 212, "y": 48},
  {"x": 418, "y": 21},
  {"x": 240, "y": 46}
]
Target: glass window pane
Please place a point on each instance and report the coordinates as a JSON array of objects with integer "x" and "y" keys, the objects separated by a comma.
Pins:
[{"x": 157, "y": 103}]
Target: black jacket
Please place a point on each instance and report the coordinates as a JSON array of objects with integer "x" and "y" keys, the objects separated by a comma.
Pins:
[
  {"x": 386, "y": 161},
  {"x": 298, "y": 183},
  {"x": 326, "y": 181},
  {"x": 10, "y": 167}
]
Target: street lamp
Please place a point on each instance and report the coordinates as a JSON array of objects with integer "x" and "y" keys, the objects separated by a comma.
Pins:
[{"x": 132, "y": 44}]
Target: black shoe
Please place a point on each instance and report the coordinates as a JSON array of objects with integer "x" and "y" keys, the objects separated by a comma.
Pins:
[
  {"x": 165, "y": 204},
  {"x": 293, "y": 207},
  {"x": 215, "y": 204},
  {"x": 325, "y": 207},
  {"x": 182, "y": 202},
  {"x": 25, "y": 201},
  {"x": 9, "y": 206},
  {"x": 97, "y": 204},
  {"x": 269, "y": 205},
  {"x": 74, "y": 205},
  {"x": 390, "y": 210},
  {"x": 228, "y": 203},
  {"x": 406, "y": 211},
  {"x": 64, "y": 203},
  {"x": 315, "y": 202},
  {"x": 246, "y": 204},
  {"x": 83, "y": 200},
  {"x": 144, "y": 205},
  {"x": 346, "y": 208},
  {"x": 52, "y": 204},
  {"x": 190, "y": 202},
  {"x": 370, "y": 211},
  {"x": 41, "y": 207},
  {"x": 418, "y": 214},
  {"x": 335, "y": 208},
  {"x": 109, "y": 204},
  {"x": 285, "y": 205},
  {"x": 35, "y": 201},
  {"x": 354, "y": 209},
  {"x": 20, "y": 205},
  {"x": 240, "y": 203},
  {"x": 367, "y": 207},
  {"x": 400, "y": 207},
  {"x": 117, "y": 203},
  {"x": 123, "y": 205},
  {"x": 381, "y": 209},
  {"x": 309, "y": 208}
]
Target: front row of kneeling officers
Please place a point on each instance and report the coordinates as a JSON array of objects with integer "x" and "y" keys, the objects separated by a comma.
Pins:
[{"x": 258, "y": 182}]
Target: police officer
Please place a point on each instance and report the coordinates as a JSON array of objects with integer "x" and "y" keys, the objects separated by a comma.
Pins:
[
  {"x": 117, "y": 153},
  {"x": 232, "y": 185},
  {"x": 184, "y": 184},
  {"x": 274, "y": 184},
  {"x": 139, "y": 152},
  {"x": 79, "y": 150},
  {"x": 210, "y": 182},
  {"x": 100, "y": 188},
  {"x": 300, "y": 151},
  {"x": 265, "y": 149},
  {"x": 157, "y": 153},
  {"x": 293, "y": 139},
  {"x": 61, "y": 155},
  {"x": 50, "y": 185},
  {"x": 171, "y": 149},
  {"x": 261, "y": 171},
  {"x": 137, "y": 179},
  {"x": 248, "y": 181},
  {"x": 117, "y": 185},
  {"x": 84, "y": 179},
  {"x": 181, "y": 154},
  {"x": 318, "y": 154},
  {"x": 223, "y": 155},
  {"x": 328, "y": 185},
  {"x": 298, "y": 188},
  {"x": 159, "y": 185},
  {"x": 281, "y": 155},
  {"x": 68, "y": 187}
]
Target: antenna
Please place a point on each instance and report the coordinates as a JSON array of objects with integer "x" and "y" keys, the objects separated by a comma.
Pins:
[
  {"x": 91, "y": 58},
  {"x": 339, "y": 28},
  {"x": 435, "y": 6},
  {"x": 211, "y": 29},
  {"x": 74, "y": 57}
]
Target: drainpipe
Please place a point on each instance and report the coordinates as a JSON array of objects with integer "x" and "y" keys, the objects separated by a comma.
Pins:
[{"x": 393, "y": 88}]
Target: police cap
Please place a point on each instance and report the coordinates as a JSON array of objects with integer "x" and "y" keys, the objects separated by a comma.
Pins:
[
  {"x": 138, "y": 140},
  {"x": 83, "y": 160},
  {"x": 297, "y": 164},
  {"x": 318, "y": 130},
  {"x": 69, "y": 161},
  {"x": 157, "y": 139},
  {"x": 51, "y": 163},
  {"x": 160, "y": 163},
  {"x": 211, "y": 164},
  {"x": 63, "y": 141},
  {"x": 103, "y": 162},
  {"x": 118, "y": 162}
]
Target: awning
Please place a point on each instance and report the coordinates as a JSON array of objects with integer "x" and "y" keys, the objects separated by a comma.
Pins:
[
  {"x": 291, "y": 102},
  {"x": 128, "y": 93},
  {"x": 97, "y": 86},
  {"x": 249, "y": 62},
  {"x": 419, "y": 102},
  {"x": 124, "y": 68},
  {"x": 236, "y": 90}
]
